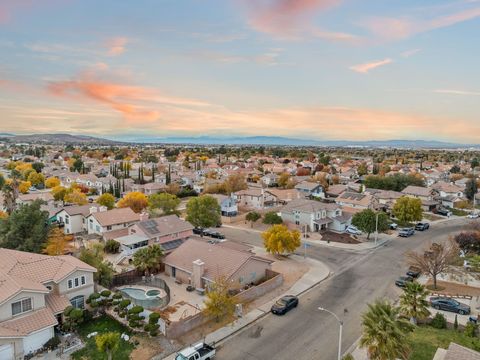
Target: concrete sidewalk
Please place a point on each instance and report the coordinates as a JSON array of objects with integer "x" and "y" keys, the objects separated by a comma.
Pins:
[
  {"x": 366, "y": 245},
  {"x": 317, "y": 273}
]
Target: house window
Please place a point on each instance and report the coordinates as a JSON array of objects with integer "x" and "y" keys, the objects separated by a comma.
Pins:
[
  {"x": 67, "y": 219},
  {"x": 97, "y": 228},
  {"x": 109, "y": 227},
  {"x": 21, "y": 306},
  {"x": 78, "y": 302},
  {"x": 77, "y": 282},
  {"x": 70, "y": 284},
  {"x": 83, "y": 280}
]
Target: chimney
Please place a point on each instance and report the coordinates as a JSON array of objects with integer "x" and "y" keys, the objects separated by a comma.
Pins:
[
  {"x": 143, "y": 216},
  {"x": 93, "y": 209},
  {"x": 102, "y": 208},
  {"x": 197, "y": 273}
]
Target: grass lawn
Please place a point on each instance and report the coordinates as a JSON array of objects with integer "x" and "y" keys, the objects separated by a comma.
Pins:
[
  {"x": 102, "y": 325},
  {"x": 425, "y": 340}
]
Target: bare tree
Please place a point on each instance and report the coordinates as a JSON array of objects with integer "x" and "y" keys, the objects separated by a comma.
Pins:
[{"x": 433, "y": 259}]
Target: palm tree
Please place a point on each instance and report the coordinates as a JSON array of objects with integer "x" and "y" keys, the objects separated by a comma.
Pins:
[
  {"x": 108, "y": 343},
  {"x": 384, "y": 333},
  {"x": 148, "y": 258},
  {"x": 413, "y": 302}
]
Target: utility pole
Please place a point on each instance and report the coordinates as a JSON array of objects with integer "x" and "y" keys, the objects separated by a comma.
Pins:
[{"x": 376, "y": 227}]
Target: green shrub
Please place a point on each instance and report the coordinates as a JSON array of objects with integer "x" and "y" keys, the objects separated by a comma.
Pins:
[
  {"x": 152, "y": 329},
  {"x": 106, "y": 293},
  {"x": 137, "y": 309},
  {"x": 439, "y": 321},
  {"x": 124, "y": 303},
  {"x": 153, "y": 318},
  {"x": 471, "y": 329},
  {"x": 112, "y": 246},
  {"x": 272, "y": 218},
  {"x": 117, "y": 296}
]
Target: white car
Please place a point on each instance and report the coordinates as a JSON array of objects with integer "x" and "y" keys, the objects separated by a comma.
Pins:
[
  {"x": 353, "y": 230},
  {"x": 473, "y": 216}
]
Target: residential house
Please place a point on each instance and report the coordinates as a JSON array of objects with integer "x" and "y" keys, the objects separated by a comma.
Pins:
[
  {"x": 34, "y": 291},
  {"x": 25, "y": 199},
  {"x": 310, "y": 189},
  {"x": 284, "y": 196},
  {"x": 313, "y": 215},
  {"x": 255, "y": 198},
  {"x": 456, "y": 352},
  {"x": 228, "y": 205},
  {"x": 449, "y": 194},
  {"x": 99, "y": 222},
  {"x": 167, "y": 231},
  {"x": 73, "y": 218},
  {"x": 426, "y": 195},
  {"x": 270, "y": 179},
  {"x": 386, "y": 198},
  {"x": 357, "y": 201},
  {"x": 200, "y": 263}
]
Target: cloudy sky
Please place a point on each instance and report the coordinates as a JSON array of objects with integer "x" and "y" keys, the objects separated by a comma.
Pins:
[{"x": 317, "y": 69}]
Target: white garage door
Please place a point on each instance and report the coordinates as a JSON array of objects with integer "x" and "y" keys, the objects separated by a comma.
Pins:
[
  {"x": 6, "y": 352},
  {"x": 37, "y": 340}
]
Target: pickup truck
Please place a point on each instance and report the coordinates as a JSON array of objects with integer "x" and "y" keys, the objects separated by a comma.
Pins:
[{"x": 200, "y": 351}]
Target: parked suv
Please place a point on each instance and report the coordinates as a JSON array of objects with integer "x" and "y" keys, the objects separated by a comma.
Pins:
[
  {"x": 406, "y": 232},
  {"x": 444, "y": 212},
  {"x": 421, "y": 226},
  {"x": 447, "y": 304}
]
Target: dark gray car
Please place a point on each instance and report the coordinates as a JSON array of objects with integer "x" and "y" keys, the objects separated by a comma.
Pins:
[{"x": 447, "y": 304}]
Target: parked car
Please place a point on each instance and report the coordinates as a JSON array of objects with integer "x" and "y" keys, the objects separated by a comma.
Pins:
[
  {"x": 473, "y": 216},
  {"x": 406, "y": 232},
  {"x": 447, "y": 304},
  {"x": 393, "y": 226},
  {"x": 402, "y": 281},
  {"x": 422, "y": 226},
  {"x": 414, "y": 272},
  {"x": 353, "y": 230},
  {"x": 200, "y": 351},
  {"x": 214, "y": 234},
  {"x": 444, "y": 212},
  {"x": 198, "y": 231},
  {"x": 284, "y": 305}
]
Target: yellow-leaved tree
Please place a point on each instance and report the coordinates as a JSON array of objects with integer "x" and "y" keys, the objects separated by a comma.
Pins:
[
  {"x": 52, "y": 182},
  {"x": 219, "y": 303},
  {"x": 58, "y": 243},
  {"x": 135, "y": 200},
  {"x": 24, "y": 186},
  {"x": 76, "y": 197},
  {"x": 107, "y": 200},
  {"x": 279, "y": 240},
  {"x": 36, "y": 178},
  {"x": 59, "y": 192}
]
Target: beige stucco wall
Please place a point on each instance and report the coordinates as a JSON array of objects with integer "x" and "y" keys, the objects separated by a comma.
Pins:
[
  {"x": 17, "y": 346},
  {"x": 38, "y": 302},
  {"x": 252, "y": 271},
  {"x": 85, "y": 290}
]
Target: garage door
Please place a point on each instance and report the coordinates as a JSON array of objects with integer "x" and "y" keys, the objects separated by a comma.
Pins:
[
  {"x": 36, "y": 340},
  {"x": 6, "y": 352}
]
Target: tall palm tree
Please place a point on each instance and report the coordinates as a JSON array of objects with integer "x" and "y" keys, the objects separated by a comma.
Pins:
[
  {"x": 413, "y": 302},
  {"x": 384, "y": 333}
]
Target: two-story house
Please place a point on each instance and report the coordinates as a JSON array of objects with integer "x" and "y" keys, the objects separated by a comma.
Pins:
[
  {"x": 310, "y": 189},
  {"x": 34, "y": 291},
  {"x": 167, "y": 231},
  {"x": 426, "y": 195},
  {"x": 356, "y": 201},
  {"x": 73, "y": 218},
  {"x": 255, "y": 198},
  {"x": 99, "y": 222},
  {"x": 311, "y": 215},
  {"x": 449, "y": 194}
]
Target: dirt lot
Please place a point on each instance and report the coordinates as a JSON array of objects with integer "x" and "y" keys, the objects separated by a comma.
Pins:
[
  {"x": 340, "y": 238},
  {"x": 147, "y": 348},
  {"x": 451, "y": 288}
]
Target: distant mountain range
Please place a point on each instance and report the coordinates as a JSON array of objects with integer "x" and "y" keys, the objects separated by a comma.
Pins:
[
  {"x": 278, "y": 140},
  {"x": 55, "y": 139},
  {"x": 233, "y": 140}
]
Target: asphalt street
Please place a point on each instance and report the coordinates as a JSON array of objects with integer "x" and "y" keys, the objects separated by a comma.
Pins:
[{"x": 358, "y": 279}]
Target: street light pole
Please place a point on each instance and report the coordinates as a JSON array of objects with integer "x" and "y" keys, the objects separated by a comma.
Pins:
[
  {"x": 376, "y": 227},
  {"x": 340, "y": 322}
]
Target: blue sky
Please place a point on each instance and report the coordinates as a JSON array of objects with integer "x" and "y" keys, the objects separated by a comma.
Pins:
[{"x": 320, "y": 69}]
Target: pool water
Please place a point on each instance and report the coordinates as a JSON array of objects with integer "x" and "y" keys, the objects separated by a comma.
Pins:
[
  {"x": 152, "y": 293},
  {"x": 135, "y": 293}
]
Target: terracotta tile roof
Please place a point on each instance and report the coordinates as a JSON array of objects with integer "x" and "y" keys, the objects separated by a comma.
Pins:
[
  {"x": 458, "y": 352},
  {"x": 79, "y": 209},
  {"x": 417, "y": 191},
  {"x": 164, "y": 225},
  {"x": 115, "y": 216},
  {"x": 27, "y": 271},
  {"x": 57, "y": 303},
  {"x": 24, "y": 325},
  {"x": 219, "y": 260},
  {"x": 115, "y": 234}
]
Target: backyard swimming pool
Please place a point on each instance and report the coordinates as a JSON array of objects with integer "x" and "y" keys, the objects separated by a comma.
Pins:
[{"x": 145, "y": 296}]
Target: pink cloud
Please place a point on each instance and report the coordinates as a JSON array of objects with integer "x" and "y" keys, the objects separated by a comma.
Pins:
[
  {"x": 135, "y": 103},
  {"x": 365, "y": 68},
  {"x": 116, "y": 46},
  {"x": 291, "y": 19},
  {"x": 388, "y": 28}
]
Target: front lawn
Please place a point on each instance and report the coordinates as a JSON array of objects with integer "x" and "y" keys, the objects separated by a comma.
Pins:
[
  {"x": 102, "y": 325},
  {"x": 425, "y": 340}
]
